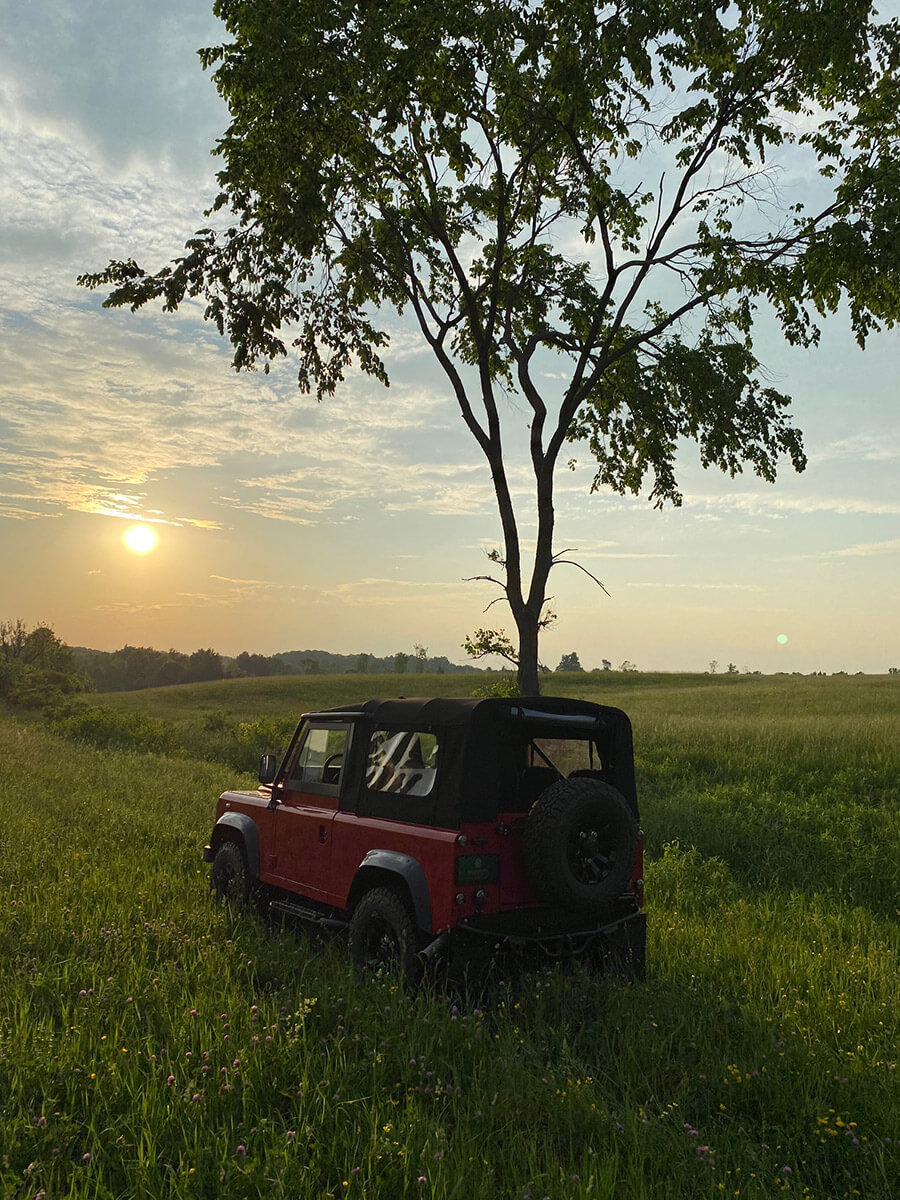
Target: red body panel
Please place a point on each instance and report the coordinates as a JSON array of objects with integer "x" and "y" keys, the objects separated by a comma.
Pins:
[{"x": 298, "y": 836}]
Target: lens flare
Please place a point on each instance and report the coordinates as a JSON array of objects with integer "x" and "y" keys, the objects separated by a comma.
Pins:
[{"x": 782, "y": 639}]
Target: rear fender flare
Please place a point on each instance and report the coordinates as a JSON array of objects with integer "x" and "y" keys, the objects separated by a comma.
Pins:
[{"x": 409, "y": 870}]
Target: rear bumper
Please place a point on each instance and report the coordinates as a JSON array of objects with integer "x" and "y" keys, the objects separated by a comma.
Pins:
[{"x": 618, "y": 942}]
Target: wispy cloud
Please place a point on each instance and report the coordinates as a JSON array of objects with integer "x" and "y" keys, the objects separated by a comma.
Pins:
[
  {"x": 696, "y": 586},
  {"x": 779, "y": 504},
  {"x": 865, "y": 549}
]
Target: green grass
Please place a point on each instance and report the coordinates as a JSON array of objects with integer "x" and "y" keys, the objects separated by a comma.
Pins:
[{"x": 187, "y": 1056}]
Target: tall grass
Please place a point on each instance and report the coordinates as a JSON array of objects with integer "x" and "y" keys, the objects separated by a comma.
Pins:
[{"x": 150, "y": 1047}]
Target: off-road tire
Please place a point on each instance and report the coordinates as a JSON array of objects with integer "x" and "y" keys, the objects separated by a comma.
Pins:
[
  {"x": 383, "y": 936},
  {"x": 580, "y": 845},
  {"x": 230, "y": 880}
]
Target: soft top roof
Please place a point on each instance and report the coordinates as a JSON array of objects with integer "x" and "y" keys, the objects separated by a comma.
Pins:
[
  {"x": 444, "y": 713},
  {"x": 482, "y": 750}
]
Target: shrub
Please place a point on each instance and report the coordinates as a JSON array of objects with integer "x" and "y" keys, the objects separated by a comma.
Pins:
[{"x": 110, "y": 730}]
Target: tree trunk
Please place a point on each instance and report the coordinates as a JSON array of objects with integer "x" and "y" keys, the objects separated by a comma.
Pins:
[{"x": 527, "y": 678}]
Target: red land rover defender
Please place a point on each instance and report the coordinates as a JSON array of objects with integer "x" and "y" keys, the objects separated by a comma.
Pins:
[{"x": 441, "y": 827}]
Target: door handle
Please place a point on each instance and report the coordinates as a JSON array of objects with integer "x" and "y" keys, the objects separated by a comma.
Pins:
[{"x": 323, "y": 836}]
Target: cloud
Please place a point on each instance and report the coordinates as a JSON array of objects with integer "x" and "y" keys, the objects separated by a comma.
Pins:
[
  {"x": 865, "y": 549},
  {"x": 387, "y": 592},
  {"x": 123, "y": 80},
  {"x": 703, "y": 587},
  {"x": 883, "y": 446},
  {"x": 758, "y": 504}
]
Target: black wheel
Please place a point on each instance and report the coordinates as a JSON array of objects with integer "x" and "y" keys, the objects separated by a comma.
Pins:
[
  {"x": 580, "y": 844},
  {"x": 383, "y": 936},
  {"x": 230, "y": 879}
]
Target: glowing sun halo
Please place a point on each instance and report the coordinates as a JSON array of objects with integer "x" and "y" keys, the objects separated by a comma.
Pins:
[{"x": 140, "y": 539}]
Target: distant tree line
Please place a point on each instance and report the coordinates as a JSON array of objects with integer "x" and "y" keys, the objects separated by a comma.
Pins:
[
  {"x": 324, "y": 662},
  {"x": 136, "y": 667}
]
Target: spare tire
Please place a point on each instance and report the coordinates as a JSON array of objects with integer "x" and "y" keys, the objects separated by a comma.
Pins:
[{"x": 580, "y": 844}]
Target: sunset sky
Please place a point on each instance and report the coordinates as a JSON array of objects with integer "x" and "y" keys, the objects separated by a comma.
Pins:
[{"x": 351, "y": 525}]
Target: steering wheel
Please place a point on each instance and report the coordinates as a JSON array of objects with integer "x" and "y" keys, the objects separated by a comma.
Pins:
[{"x": 333, "y": 760}]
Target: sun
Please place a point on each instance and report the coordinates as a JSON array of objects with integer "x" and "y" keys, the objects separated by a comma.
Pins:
[{"x": 140, "y": 539}]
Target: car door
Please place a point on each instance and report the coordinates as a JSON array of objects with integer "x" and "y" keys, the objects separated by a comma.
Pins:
[{"x": 304, "y": 819}]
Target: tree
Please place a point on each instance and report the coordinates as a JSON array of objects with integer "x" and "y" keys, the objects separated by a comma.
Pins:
[
  {"x": 713, "y": 666},
  {"x": 203, "y": 665},
  {"x": 606, "y": 664},
  {"x": 401, "y": 662},
  {"x": 580, "y": 192},
  {"x": 486, "y": 642},
  {"x": 37, "y": 669},
  {"x": 569, "y": 662},
  {"x": 420, "y": 658}
]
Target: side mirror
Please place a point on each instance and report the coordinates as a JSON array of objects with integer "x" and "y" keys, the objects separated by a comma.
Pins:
[{"x": 268, "y": 768}]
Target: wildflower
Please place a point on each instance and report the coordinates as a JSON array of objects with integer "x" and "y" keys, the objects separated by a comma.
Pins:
[
  {"x": 196, "y": 1097},
  {"x": 421, "y": 1179},
  {"x": 290, "y": 1134},
  {"x": 241, "y": 1150},
  {"x": 170, "y": 1080},
  {"x": 86, "y": 1157},
  {"x": 786, "y": 1171},
  {"x": 41, "y": 1122}
]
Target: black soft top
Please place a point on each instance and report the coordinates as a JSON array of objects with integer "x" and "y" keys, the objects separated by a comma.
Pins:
[{"x": 482, "y": 749}]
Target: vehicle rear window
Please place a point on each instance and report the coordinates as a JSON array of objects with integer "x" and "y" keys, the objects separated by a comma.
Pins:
[
  {"x": 404, "y": 763},
  {"x": 566, "y": 754}
]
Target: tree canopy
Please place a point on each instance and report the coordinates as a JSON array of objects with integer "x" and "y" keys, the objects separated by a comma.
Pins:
[{"x": 592, "y": 190}]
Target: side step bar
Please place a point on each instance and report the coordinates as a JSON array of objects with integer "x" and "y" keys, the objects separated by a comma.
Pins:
[{"x": 302, "y": 913}]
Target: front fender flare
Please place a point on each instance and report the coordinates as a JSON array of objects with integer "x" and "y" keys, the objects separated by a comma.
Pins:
[{"x": 244, "y": 827}]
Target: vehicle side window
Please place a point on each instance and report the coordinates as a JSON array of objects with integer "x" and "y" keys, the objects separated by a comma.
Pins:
[
  {"x": 319, "y": 759},
  {"x": 403, "y": 763}
]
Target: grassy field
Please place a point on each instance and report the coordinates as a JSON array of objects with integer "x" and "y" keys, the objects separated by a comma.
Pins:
[{"x": 151, "y": 1048}]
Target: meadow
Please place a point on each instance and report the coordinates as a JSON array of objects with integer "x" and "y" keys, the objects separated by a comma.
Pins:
[{"x": 150, "y": 1046}]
